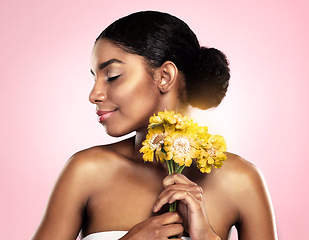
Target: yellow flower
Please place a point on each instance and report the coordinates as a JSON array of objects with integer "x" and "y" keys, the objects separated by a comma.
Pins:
[
  {"x": 181, "y": 147},
  {"x": 184, "y": 123},
  {"x": 178, "y": 140},
  {"x": 203, "y": 135},
  {"x": 163, "y": 117},
  {"x": 152, "y": 146},
  {"x": 170, "y": 118},
  {"x": 211, "y": 153}
]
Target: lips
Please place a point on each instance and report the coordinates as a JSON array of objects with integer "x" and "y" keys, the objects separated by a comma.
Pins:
[{"x": 103, "y": 115}]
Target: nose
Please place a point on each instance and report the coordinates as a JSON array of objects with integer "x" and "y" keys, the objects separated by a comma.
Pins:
[{"x": 98, "y": 93}]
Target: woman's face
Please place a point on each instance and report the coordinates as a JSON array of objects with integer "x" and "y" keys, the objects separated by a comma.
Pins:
[{"x": 124, "y": 92}]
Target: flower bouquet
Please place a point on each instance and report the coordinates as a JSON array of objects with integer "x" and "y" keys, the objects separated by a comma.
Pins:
[{"x": 177, "y": 140}]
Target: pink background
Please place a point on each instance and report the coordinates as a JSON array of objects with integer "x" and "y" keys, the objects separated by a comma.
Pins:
[{"x": 45, "y": 81}]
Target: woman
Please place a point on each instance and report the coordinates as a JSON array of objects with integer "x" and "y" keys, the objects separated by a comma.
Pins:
[{"x": 142, "y": 64}]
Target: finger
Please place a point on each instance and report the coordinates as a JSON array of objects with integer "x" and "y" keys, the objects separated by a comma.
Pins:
[
  {"x": 169, "y": 218},
  {"x": 166, "y": 195},
  {"x": 172, "y": 230},
  {"x": 177, "y": 178},
  {"x": 193, "y": 203},
  {"x": 191, "y": 199},
  {"x": 185, "y": 187},
  {"x": 193, "y": 189}
]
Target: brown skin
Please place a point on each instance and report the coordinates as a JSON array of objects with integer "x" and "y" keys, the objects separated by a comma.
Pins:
[{"x": 109, "y": 187}]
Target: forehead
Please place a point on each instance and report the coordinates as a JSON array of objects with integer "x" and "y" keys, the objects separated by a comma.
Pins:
[{"x": 104, "y": 50}]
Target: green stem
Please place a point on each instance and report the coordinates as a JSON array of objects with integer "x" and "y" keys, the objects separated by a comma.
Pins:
[
  {"x": 172, "y": 165},
  {"x": 172, "y": 207},
  {"x": 180, "y": 168},
  {"x": 177, "y": 168},
  {"x": 169, "y": 167}
]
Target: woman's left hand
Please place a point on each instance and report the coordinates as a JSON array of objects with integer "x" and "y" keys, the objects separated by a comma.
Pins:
[{"x": 191, "y": 205}]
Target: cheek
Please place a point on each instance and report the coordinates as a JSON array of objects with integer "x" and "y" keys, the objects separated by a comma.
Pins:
[
  {"x": 136, "y": 102},
  {"x": 137, "y": 93}
]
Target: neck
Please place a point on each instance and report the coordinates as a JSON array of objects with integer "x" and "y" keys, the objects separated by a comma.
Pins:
[{"x": 139, "y": 138}]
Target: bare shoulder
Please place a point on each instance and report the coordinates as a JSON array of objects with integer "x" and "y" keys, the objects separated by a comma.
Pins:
[
  {"x": 237, "y": 169},
  {"x": 102, "y": 154},
  {"x": 240, "y": 178},
  {"x": 85, "y": 173},
  {"x": 93, "y": 163},
  {"x": 89, "y": 159},
  {"x": 85, "y": 169},
  {"x": 244, "y": 186}
]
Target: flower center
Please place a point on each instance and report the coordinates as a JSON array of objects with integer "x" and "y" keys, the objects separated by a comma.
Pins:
[
  {"x": 211, "y": 151},
  {"x": 157, "y": 141},
  {"x": 182, "y": 145}
]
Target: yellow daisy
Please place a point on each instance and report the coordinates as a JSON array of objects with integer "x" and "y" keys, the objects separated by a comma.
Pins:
[
  {"x": 177, "y": 140},
  {"x": 163, "y": 117},
  {"x": 180, "y": 147},
  {"x": 211, "y": 153},
  {"x": 170, "y": 118},
  {"x": 152, "y": 146}
]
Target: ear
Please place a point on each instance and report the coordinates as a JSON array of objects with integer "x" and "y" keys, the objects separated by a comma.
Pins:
[{"x": 167, "y": 75}]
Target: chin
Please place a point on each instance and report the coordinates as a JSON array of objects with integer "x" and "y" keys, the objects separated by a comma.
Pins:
[{"x": 116, "y": 132}]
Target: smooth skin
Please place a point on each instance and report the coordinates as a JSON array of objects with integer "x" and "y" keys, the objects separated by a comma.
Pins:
[{"x": 110, "y": 188}]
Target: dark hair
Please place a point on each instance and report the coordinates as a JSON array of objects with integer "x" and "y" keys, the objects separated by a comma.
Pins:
[{"x": 160, "y": 37}]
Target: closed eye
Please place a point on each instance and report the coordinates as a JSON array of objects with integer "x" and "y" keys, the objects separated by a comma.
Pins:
[{"x": 110, "y": 79}]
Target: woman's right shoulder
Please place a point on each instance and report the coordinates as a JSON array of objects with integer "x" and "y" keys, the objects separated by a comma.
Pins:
[
  {"x": 99, "y": 159},
  {"x": 90, "y": 169},
  {"x": 103, "y": 156},
  {"x": 92, "y": 155},
  {"x": 86, "y": 173}
]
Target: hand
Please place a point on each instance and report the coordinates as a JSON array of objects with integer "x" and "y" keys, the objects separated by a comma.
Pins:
[
  {"x": 157, "y": 228},
  {"x": 191, "y": 205}
]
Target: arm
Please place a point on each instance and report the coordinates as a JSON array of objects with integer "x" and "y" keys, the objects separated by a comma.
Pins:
[
  {"x": 256, "y": 218},
  {"x": 63, "y": 216}
]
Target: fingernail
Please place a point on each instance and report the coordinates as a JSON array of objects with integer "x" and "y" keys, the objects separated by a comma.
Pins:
[{"x": 154, "y": 208}]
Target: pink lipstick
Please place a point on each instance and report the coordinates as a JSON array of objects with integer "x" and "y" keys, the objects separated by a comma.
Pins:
[{"x": 103, "y": 115}]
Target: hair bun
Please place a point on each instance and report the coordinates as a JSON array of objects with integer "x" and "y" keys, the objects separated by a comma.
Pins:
[{"x": 208, "y": 85}]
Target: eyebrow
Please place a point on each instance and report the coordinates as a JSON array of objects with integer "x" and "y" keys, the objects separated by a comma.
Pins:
[{"x": 105, "y": 64}]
